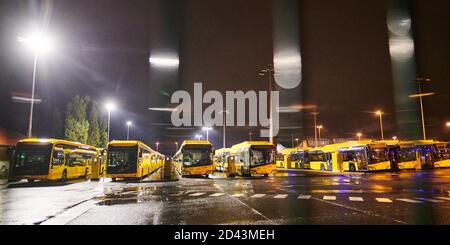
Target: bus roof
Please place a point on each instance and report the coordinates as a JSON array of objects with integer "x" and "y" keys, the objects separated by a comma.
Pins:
[
  {"x": 250, "y": 143},
  {"x": 132, "y": 143},
  {"x": 222, "y": 150},
  {"x": 57, "y": 141},
  {"x": 196, "y": 142}
]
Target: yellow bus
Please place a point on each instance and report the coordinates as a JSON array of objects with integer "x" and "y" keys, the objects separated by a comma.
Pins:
[
  {"x": 293, "y": 158},
  {"x": 365, "y": 156},
  {"x": 221, "y": 159},
  {"x": 442, "y": 155},
  {"x": 131, "y": 160},
  {"x": 254, "y": 158},
  {"x": 98, "y": 165},
  {"x": 195, "y": 157},
  {"x": 52, "y": 159},
  {"x": 326, "y": 158}
]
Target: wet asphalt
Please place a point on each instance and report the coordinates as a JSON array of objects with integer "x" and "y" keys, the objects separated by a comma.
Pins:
[{"x": 407, "y": 197}]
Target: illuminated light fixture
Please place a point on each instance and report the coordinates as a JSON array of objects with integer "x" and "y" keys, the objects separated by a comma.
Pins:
[
  {"x": 164, "y": 62},
  {"x": 394, "y": 137},
  {"x": 162, "y": 109},
  {"x": 448, "y": 124},
  {"x": 20, "y": 99},
  {"x": 359, "y": 135},
  {"x": 110, "y": 106},
  {"x": 38, "y": 42}
]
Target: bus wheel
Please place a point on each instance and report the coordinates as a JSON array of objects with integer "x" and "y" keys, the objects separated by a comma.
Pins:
[
  {"x": 64, "y": 176},
  {"x": 322, "y": 167},
  {"x": 30, "y": 180},
  {"x": 352, "y": 168}
]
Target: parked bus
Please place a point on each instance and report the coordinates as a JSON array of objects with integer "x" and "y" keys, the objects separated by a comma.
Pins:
[
  {"x": 52, "y": 159},
  {"x": 221, "y": 159},
  {"x": 195, "y": 157},
  {"x": 365, "y": 156},
  {"x": 326, "y": 158},
  {"x": 293, "y": 158},
  {"x": 254, "y": 158},
  {"x": 99, "y": 165},
  {"x": 131, "y": 160},
  {"x": 442, "y": 155}
]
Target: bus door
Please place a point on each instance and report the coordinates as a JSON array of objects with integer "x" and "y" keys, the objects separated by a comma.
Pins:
[
  {"x": 57, "y": 162},
  {"x": 426, "y": 157},
  {"x": 231, "y": 170}
]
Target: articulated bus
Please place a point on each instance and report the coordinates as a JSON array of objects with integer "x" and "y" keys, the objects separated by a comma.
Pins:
[
  {"x": 442, "y": 156},
  {"x": 221, "y": 159},
  {"x": 365, "y": 156},
  {"x": 195, "y": 158},
  {"x": 325, "y": 158},
  {"x": 131, "y": 160},
  {"x": 52, "y": 159},
  {"x": 254, "y": 158},
  {"x": 293, "y": 158}
]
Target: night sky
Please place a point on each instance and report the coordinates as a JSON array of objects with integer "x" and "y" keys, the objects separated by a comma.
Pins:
[{"x": 104, "y": 46}]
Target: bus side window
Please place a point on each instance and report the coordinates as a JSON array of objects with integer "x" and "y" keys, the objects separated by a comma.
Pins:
[{"x": 58, "y": 158}]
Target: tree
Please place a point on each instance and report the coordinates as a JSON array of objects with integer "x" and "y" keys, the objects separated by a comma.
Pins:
[
  {"x": 58, "y": 124},
  {"x": 94, "y": 125},
  {"x": 103, "y": 130},
  {"x": 76, "y": 124}
]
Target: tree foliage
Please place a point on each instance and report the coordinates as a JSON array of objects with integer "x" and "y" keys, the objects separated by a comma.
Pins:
[{"x": 76, "y": 123}]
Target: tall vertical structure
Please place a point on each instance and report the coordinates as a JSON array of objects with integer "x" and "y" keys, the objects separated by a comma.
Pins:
[
  {"x": 402, "y": 51},
  {"x": 287, "y": 65}
]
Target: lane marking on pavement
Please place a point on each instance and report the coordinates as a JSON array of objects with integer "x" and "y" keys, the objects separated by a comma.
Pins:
[
  {"x": 356, "y": 199},
  {"x": 329, "y": 198},
  {"x": 197, "y": 194},
  {"x": 237, "y": 195},
  {"x": 350, "y": 208},
  {"x": 280, "y": 196},
  {"x": 218, "y": 194},
  {"x": 70, "y": 214},
  {"x": 304, "y": 197},
  {"x": 382, "y": 199},
  {"x": 258, "y": 195},
  {"x": 428, "y": 199},
  {"x": 408, "y": 200},
  {"x": 444, "y": 198}
]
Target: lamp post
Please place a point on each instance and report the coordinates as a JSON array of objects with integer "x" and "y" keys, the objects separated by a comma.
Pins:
[
  {"x": 420, "y": 95},
  {"x": 198, "y": 136},
  {"x": 40, "y": 44},
  {"x": 224, "y": 113},
  {"x": 380, "y": 114},
  {"x": 319, "y": 127},
  {"x": 109, "y": 107},
  {"x": 296, "y": 141},
  {"x": 207, "y": 132},
  {"x": 314, "y": 113},
  {"x": 157, "y": 145},
  {"x": 176, "y": 146},
  {"x": 359, "y": 136},
  {"x": 250, "y": 135},
  {"x": 270, "y": 71},
  {"x": 129, "y": 123}
]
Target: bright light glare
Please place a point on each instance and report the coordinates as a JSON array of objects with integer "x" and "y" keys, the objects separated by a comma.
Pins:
[
  {"x": 129, "y": 123},
  {"x": 359, "y": 134},
  {"x": 207, "y": 128},
  {"x": 165, "y": 62},
  {"x": 38, "y": 42},
  {"x": 448, "y": 124},
  {"x": 394, "y": 138},
  {"x": 378, "y": 112},
  {"x": 110, "y": 106}
]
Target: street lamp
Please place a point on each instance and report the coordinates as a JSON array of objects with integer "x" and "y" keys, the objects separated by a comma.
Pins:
[
  {"x": 270, "y": 71},
  {"x": 129, "y": 123},
  {"x": 207, "y": 132},
  {"x": 314, "y": 113},
  {"x": 110, "y": 106},
  {"x": 39, "y": 43},
  {"x": 447, "y": 124},
  {"x": 198, "y": 136},
  {"x": 394, "y": 138},
  {"x": 420, "y": 95},
  {"x": 319, "y": 127},
  {"x": 359, "y": 136},
  {"x": 224, "y": 113},
  {"x": 157, "y": 145},
  {"x": 176, "y": 146},
  {"x": 296, "y": 141},
  {"x": 250, "y": 133},
  {"x": 380, "y": 114}
]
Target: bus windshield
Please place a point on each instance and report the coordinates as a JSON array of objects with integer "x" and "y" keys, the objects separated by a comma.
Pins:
[
  {"x": 197, "y": 155},
  {"x": 261, "y": 155},
  {"x": 378, "y": 155},
  {"x": 122, "y": 159},
  {"x": 32, "y": 159}
]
